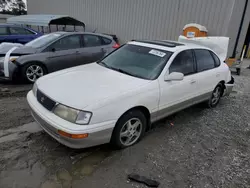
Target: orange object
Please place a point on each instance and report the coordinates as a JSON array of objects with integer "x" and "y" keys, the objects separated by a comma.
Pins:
[
  {"x": 194, "y": 30},
  {"x": 230, "y": 61},
  {"x": 74, "y": 136}
]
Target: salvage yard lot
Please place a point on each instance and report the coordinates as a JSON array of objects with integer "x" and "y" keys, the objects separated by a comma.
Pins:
[{"x": 204, "y": 148}]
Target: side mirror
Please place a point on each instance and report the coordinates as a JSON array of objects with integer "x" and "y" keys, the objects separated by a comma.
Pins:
[
  {"x": 174, "y": 76},
  {"x": 53, "y": 49}
]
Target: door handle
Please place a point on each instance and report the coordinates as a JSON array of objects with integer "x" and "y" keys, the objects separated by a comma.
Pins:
[
  {"x": 218, "y": 74},
  {"x": 192, "y": 82},
  {"x": 77, "y": 52}
]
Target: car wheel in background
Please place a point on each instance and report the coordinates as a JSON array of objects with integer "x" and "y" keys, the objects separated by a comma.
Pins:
[
  {"x": 129, "y": 129},
  {"x": 215, "y": 97},
  {"x": 32, "y": 71}
]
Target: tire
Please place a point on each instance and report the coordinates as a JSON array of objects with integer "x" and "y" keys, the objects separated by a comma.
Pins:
[
  {"x": 134, "y": 132},
  {"x": 36, "y": 70},
  {"x": 215, "y": 97}
]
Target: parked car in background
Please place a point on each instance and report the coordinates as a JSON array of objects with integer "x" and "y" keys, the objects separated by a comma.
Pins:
[
  {"x": 116, "y": 99},
  {"x": 17, "y": 34},
  {"x": 53, "y": 52}
]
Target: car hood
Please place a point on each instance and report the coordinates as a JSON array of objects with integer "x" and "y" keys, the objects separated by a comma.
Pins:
[
  {"x": 86, "y": 85},
  {"x": 20, "y": 50}
]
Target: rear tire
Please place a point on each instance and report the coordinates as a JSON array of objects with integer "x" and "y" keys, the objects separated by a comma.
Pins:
[
  {"x": 215, "y": 97},
  {"x": 32, "y": 71},
  {"x": 129, "y": 129}
]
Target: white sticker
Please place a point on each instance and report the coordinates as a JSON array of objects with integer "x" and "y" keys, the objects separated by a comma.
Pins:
[
  {"x": 157, "y": 53},
  {"x": 190, "y": 34}
]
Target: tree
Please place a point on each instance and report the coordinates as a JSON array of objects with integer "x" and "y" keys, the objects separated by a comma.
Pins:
[{"x": 15, "y": 7}]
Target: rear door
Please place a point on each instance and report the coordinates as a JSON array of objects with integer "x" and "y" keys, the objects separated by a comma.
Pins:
[
  {"x": 207, "y": 71},
  {"x": 21, "y": 35},
  {"x": 93, "y": 48},
  {"x": 4, "y": 34},
  {"x": 64, "y": 53}
]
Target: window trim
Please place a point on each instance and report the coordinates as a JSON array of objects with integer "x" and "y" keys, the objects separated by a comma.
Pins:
[
  {"x": 194, "y": 62},
  {"x": 197, "y": 62},
  {"x": 103, "y": 42},
  {"x": 48, "y": 48},
  {"x": 214, "y": 55}
]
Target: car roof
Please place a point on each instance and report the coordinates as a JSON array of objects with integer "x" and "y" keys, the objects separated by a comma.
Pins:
[
  {"x": 167, "y": 45},
  {"x": 78, "y": 32}
]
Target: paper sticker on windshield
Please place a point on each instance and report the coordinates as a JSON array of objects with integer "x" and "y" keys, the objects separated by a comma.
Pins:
[{"x": 157, "y": 53}]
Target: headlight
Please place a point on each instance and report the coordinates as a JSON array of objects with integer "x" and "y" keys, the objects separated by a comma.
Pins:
[
  {"x": 72, "y": 115},
  {"x": 13, "y": 58},
  {"x": 34, "y": 89}
]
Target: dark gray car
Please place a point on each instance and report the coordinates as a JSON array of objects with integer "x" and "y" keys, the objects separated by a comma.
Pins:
[{"x": 53, "y": 52}]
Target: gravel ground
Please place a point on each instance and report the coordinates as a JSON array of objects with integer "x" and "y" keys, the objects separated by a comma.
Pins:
[{"x": 204, "y": 148}]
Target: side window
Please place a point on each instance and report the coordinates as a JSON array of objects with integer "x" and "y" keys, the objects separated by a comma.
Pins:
[
  {"x": 184, "y": 63},
  {"x": 204, "y": 60},
  {"x": 66, "y": 43},
  {"x": 92, "y": 40},
  {"x": 20, "y": 31},
  {"x": 106, "y": 41},
  {"x": 3, "y": 31},
  {"x": 216, "y": 59}
]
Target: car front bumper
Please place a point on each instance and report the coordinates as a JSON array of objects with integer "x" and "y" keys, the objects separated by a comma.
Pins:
[
  {"x": 97, "y": 133},
  {"x": 12, "y": 70}
]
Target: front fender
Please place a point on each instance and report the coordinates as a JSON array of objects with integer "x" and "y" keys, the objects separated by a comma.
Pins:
[{"x": 113, "y": 109}]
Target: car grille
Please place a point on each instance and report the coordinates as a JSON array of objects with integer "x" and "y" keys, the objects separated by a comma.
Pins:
[{"x": 45, "y": 101}]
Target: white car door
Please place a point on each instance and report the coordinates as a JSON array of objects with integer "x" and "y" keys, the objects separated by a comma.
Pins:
[
  {"x": 177, "y": 95},
  {"x": 208, "y": 72}
]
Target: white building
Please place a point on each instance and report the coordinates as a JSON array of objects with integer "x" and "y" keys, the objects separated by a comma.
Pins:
[{"x": 155, "y": 19}]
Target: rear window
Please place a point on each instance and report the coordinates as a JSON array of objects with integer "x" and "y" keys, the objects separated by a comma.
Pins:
[
  {"x": 216, "y": 59},
  {"x": 106, "y": 40},
  {"x": 138, "y": 61},
  {"x": 204, "y": 60}
]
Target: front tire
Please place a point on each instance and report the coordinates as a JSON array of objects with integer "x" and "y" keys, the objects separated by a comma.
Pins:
[
  {"x": 32, "y": 71},
  {"x": 129, "y": 129},
  {"x": 215, "y": 97}
]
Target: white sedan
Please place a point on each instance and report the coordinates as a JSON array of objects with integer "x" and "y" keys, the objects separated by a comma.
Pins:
[{"x": 116, "y": 99}]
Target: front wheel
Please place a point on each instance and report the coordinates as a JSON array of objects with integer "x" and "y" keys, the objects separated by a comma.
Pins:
[
  {"x": 129, "y": 129},
  {"x": 32, "y": 72},
  {"x": 215, "y": 97}
]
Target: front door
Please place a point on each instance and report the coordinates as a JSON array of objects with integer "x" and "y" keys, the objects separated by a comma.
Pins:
[
  {"x": 64, "y": 53},
  {"x": 177, "y": 95}
]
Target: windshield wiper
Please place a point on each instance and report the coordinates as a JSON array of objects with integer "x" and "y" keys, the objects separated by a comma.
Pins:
[
  {"x": 119, "y": 70},
  {"x": 104, "y": 64}
]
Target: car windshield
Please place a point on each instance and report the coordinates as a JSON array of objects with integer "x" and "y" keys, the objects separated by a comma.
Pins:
[
  {"x": 138, "y": 61},
  {"x": 43, "y": 40}
]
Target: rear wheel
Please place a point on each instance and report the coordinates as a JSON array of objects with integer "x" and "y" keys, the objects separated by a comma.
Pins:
[
  {"x": 129, "y": 129},
  {"x": 32, "y": 72},
  {"x": 216, "y": 95}
]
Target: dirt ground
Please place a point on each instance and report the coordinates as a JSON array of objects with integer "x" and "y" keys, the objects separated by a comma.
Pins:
[{"x": 204, "y": 148}]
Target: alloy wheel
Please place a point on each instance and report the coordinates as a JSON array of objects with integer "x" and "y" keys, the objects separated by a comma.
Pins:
[
  {"x": 216, "y": 95},
  {"x": 34, "y": 72},
  {"x": 131, "y": 132}
]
